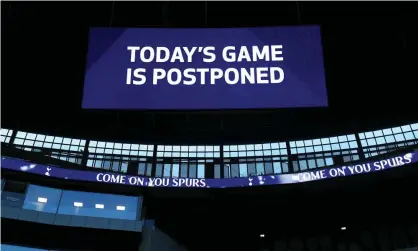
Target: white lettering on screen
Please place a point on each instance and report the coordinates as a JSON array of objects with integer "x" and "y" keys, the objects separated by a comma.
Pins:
[
  {"x": 175, "y": 75},
  {"x": 354, "y": 169},
  {"x": 152, "y": 182}
]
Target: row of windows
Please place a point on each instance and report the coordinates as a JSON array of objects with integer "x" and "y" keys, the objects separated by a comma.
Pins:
[
  {"x": 252, "y": 169},
  {"x": 307, "y": 154},
  {"x": 389, "y": 135},
  {"x": 400, "y": 133},
  {"x": 51, "y": 200},
  {"x": 6, "y": 135},
  {"x": 181, "y": 170},
  {"x": 378, "y": 137},
  {"x": 384, "y": 149},
  {"x": 163, "y": 148},
  {"x": 189, "y": 154},
  {"x": 50, "y": 142}
]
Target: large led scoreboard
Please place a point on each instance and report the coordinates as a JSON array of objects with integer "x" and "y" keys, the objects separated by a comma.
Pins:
[{"x": 207, "y": 68}]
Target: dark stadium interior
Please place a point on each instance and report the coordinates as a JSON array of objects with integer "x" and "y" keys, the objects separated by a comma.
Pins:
[
  {"x": 370, "y": 62},
  {"x": 368, "y": 51}
]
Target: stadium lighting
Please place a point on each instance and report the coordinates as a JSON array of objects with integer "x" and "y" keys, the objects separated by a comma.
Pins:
[
  {"x": 120, "y": 208},
  {"x": 78, "y": 204},
  {"x": 42, "y": 200},
  {"x": 99, "y": 206}
]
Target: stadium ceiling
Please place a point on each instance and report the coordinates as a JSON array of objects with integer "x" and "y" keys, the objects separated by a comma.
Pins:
[{"x": 369, "y": 50}]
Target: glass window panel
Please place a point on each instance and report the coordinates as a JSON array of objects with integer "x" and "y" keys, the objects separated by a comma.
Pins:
[
  {"x": 141, "y": 168},
  {"x": 116, "y": 166},
  {"x": 277, "y": 167},
  {"x": 303, "y": 165},
  {"x": 43, "y": 199},
  {"x": 309, "y": 149},
  {"x": 18, "y": 141},
  {"x": 301, "y": 150},
  {"x": 296, "y": 166},
  {"x": 268, "y": 168},
  {"x": 167, "y": 170},
  {"x": 369, "y": 135},
  {"x": 234, "y": 171},
  {"x": 201, "y": 171},
  {"x": 351, "y": 137},
  {"x": 217, "y": 171},
  {"x": 275, "y": 145},
  {"x": 311, "y": 163},
  {"x": 390, "y": 139},
  {"x": 318, "y": 148},
  {"x": 267, "y": 152},
  {"x": 325, "y": 140},
  {"x": 285, "y": 167},
  {"x": 326, "y": 147},
  {"x": 342, "y": 138},
  {"x": 396, "y": 130},
  {"x": 344, "y": 145},
  {"x": 299, "y": 143},
  {"x": 371, "y": 142},
  {"x": 260, "y": 168},
  {"x": 329, "y": 161},
  {"x": 258, "y": 147},
  {"x": 149, "y": 169},
  {"x": 183, "y": 170},
  {"x": 124, "y": 167},
  {"x": 176, "y": 171},
  {"x": 87, "y": 205},
  {"x": 333, "y": 140},
  {"x": 409, "y": 136},
  {"x": 308, "y": 142},
  {"x": 243, "y": 171},
  {"x": 399, "y": 137},
  {"x": 353, "y": 144},
  {"x": 226, "y": 171},
  {"x": 159, "y": 170},
  {"x": 320, "y": 162},
  {"x": 387, "y": 131}
]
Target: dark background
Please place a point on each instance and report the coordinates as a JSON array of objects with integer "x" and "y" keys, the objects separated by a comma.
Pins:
[{"x": 369, "y": 51}]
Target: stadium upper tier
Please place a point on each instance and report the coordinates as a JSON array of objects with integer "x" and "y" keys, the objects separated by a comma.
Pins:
[{"x": 226, "y": 161}]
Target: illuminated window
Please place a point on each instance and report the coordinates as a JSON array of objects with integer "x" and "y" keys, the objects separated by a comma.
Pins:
[
  {"x": 188, "y": 151},
  {"x": 116, "y": 156},
  {"x": 317, "y": 153},
  {"x": 254, "y": 159},
  {"x": 186, "y": 161},
  {"x": 99, "y": 205},
  {"x": 389, "y": 139},
  {"x": 42, "y": 199},
  {"x": 6, "y": 134},
  {"x": 255, "y": 150},
  {"x": 66, "y": 149}
]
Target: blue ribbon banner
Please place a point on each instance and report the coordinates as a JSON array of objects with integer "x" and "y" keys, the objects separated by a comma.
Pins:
[{"x": 278, "y": 179}]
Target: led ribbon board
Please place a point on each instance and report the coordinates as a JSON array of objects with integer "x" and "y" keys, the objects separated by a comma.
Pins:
[
  {"x": 292, "y": 178},
  {"x": 185, "y": 69}
]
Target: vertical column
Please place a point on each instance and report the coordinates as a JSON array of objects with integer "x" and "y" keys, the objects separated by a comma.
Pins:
[
  {"x": 290, "y": 157},
  {"x": 13, "y": 136},
  {"x": 85, "y": 156},
  {"x": 360, "y": 147},
  {"x": 221, "y": 155},
  {"x": 154, "y": 161}
]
